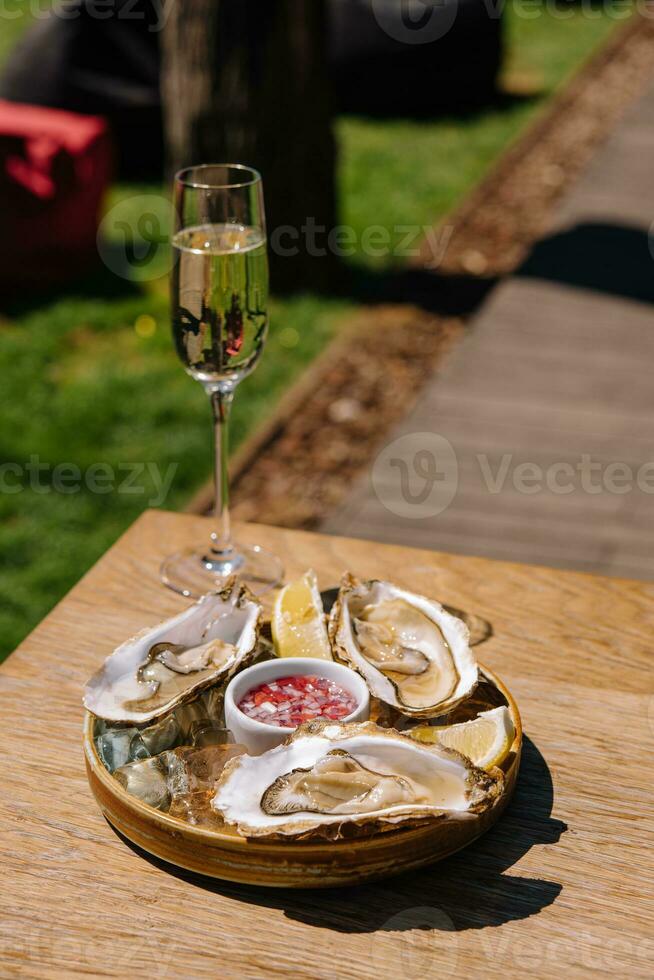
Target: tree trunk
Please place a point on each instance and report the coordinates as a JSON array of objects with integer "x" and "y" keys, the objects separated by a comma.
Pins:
[{"x": 246, "y": 81}]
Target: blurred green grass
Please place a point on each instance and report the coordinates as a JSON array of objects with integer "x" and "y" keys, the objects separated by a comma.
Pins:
[
  {"x": 407, "y": 172},
  {"x": 86, "y": 379}
]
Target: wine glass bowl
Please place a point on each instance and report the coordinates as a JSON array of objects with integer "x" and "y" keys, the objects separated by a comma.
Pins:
[{"x": 219, "y": 296}]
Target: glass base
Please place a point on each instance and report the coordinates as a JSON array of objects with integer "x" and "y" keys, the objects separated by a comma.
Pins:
[{"x": 196, "y": 571}]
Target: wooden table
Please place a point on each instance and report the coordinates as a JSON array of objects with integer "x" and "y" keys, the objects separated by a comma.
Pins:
[{"x": 563, "y": 885}]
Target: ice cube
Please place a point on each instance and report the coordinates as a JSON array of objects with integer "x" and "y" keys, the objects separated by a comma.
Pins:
[
  {"x": 207, "y": 707},
  {"x": 203, "y": 767},
  {"x": 207, "y": 733},
  {"x": 196, "y": 809},
  {"x": 117, "y": 746},
  {"x": 148, "y": 780},
  {"x": 161, "y": 736}
]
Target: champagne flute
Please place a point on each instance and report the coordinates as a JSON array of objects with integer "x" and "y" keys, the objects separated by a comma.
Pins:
[{"x": 220, "y": 320}]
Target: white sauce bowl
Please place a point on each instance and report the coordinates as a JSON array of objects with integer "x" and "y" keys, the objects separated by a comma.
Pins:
[{"x": 258, "y": 737}]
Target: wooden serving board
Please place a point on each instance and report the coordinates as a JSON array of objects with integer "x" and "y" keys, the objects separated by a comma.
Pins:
[{"x": 226, "y": 854}]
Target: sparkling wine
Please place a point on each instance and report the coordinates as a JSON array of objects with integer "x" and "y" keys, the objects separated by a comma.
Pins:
[
  {"x": 219, "y": 313},
  {"x": 220, "y": 299}
]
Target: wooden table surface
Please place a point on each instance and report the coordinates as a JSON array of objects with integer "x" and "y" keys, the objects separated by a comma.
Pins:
[{"x": 562, "y": 885}]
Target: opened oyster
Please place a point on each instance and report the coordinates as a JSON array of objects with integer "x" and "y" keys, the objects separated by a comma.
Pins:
[
  {"x": 165, "y": 666},
  {"x": 412, "y": 654},
  {"x": 326, "y": 775}
]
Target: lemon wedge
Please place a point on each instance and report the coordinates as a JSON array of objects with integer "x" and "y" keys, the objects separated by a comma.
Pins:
[
  {"x": 486, "y": 740},
  {"x": 298, "y": 620}
]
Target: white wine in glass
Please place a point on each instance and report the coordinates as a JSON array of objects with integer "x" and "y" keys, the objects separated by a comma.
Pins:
[{"x": 219, "y": 294}]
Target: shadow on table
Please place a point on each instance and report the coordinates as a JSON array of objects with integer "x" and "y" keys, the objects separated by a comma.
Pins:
[{"x": 466, "y": 891}]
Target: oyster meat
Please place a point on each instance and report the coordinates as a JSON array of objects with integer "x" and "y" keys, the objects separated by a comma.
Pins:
[
  {"x": 328, "y": 774},
  {"x": 412, "y": 653},
  {"x": 166, "y": 666}
]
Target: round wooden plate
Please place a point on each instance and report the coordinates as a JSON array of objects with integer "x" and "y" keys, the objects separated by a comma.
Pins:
[{"x": 287, "y": 864}]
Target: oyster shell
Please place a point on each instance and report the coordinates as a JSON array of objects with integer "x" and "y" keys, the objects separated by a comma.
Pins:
[
  {"x": 412, "y": 653},
  {"x": 167, "y": 665},
  {"x": 327, "y": 774}
]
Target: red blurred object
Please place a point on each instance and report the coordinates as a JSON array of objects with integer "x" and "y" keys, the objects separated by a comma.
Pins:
[{"x": 54, "y": 170}]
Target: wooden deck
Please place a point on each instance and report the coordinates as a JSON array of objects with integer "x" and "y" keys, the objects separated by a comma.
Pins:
[{"x": 556, "y": 372}]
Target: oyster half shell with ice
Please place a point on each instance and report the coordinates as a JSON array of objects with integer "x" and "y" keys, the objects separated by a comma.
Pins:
[
  {"x": 167, "y": 665},
  {"x": 328, "y": 774},
  {"x": 412, "y": 653}
]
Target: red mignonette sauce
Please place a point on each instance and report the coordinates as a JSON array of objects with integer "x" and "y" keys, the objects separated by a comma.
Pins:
[{"x": 289, "y": 701}]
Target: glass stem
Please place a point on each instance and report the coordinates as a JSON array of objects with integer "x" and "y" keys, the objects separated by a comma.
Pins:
[{"x": 221, "y": 537}]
